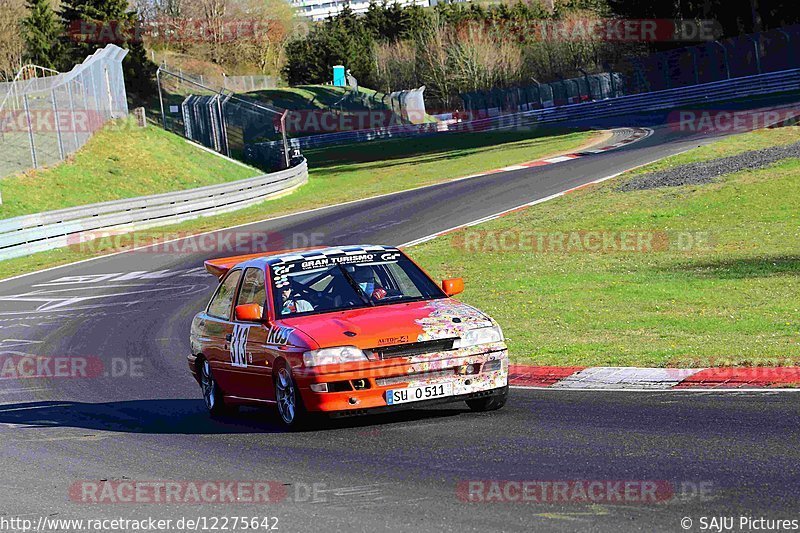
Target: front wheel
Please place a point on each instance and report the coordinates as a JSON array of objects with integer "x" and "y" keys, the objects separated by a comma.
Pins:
[
  {"x": 287, "y": 397},
  {"x": 212, "y": 394},
  {"x": 490, "y": 403}
]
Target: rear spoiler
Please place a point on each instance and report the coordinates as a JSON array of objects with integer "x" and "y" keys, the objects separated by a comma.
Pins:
[{"x": 219, "y": 267}]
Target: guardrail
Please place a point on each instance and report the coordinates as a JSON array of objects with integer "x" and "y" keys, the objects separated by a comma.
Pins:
[
  {"x": 718, "y": 91},
  {"x": 28, "y": 234}
]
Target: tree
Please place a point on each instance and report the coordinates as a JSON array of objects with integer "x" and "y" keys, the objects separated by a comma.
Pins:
[
  {"x": 339, "y": 40},
  {"x": 42, "y": 33},
  {"x": 94, "y": 23},
  {"x": 12, "y": 44}
]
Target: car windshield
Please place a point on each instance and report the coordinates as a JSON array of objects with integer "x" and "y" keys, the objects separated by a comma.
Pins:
[{"x": 337, "y": 282}]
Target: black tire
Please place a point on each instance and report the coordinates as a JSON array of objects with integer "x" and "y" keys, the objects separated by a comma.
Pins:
[
  {"x": 490, "y": 403},
  {"x": 288, "y": 402},
  {"x": 212, "y": 394}
]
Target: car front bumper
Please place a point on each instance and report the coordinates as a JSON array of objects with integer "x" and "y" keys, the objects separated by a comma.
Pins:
[
  {"x": 490, "y": 393},
  {"x": 489, "y": 373}
]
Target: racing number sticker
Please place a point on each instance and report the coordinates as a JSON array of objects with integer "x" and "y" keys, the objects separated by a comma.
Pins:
[{"x": 239, "y": 345}]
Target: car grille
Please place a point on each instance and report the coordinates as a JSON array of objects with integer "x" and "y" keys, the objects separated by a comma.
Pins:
[
  {"x": 414, "y": 348},
  {"x": 436, "y": 374}
]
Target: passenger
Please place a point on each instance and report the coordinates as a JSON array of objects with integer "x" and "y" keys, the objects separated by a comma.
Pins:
[
  {"x": 292, "y": 302},
  {"x": 365, "y": 278}
]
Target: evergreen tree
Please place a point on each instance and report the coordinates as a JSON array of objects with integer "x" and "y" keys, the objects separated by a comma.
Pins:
[
  {"x": 92, "y": 24},
  {"x": 42, "y": 33}
]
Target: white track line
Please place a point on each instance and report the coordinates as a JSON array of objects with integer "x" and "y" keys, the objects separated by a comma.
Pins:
[
  {"x": 505, "y": 211},
  {"x": 529, "y": 204}
]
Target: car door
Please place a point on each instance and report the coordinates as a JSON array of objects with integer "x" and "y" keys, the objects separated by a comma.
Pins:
[
  {"x": 219, "y": 329},
  {"x": 249, "y": 362}
]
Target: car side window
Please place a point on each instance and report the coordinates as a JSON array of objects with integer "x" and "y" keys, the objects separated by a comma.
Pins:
[
  {"x": 253, "y": 290},
  {"x": 220, "y": 305}
]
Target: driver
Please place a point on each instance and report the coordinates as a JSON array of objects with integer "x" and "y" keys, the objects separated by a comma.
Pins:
[
  {"x": 292, "y": 302},
  {"x": 365, "y": 278}
]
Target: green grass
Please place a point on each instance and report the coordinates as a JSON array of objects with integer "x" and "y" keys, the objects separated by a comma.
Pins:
[
  {"x": 733, "y": 302},
  {"x": 121, "y": 161},
  {"x": 341, "y": 173},
  {"x": 727, "y": 146}
]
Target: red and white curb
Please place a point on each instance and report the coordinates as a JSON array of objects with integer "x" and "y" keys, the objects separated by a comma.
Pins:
[
  {"x": 637, "y": 134},
  {"x": 628, "y": 378}
]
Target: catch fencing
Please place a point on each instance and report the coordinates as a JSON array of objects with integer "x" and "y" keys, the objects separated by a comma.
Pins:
[
  {"x": 715, "y": 61},
  {"x": 543, "y": 95},
  {"x": 225, "y": 122},
  {"x": 737, "y": 57},
  {"x": 246, "y": 84},
  {"x": 45, "y": 115},
  {"x": 581, "y": 113}
]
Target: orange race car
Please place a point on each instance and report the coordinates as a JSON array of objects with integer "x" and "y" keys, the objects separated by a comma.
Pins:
[{"x": 344, "y": 331}]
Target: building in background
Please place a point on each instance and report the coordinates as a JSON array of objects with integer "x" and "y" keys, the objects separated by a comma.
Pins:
[{"x": 322, "y": 9}]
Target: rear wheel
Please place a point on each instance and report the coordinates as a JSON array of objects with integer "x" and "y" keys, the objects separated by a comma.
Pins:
[
  {"x": 289, "y": 403},
  {"x": 212, "y": 394},
  {"x": 490, "y": 403}
]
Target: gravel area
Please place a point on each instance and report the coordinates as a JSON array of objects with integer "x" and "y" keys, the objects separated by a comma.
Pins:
[{"x": 708, "y": 171}]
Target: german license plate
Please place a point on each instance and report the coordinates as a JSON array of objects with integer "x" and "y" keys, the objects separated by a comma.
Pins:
[{"x": 417, "y": 394}]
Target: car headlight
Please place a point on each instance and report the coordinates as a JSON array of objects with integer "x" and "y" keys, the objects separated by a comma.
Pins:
[
  {"x": 336, "y": 355},
  {"x": 477, "y": 336}
]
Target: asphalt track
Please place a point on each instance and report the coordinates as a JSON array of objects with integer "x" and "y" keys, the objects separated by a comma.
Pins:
[{"x": 720, "y": 454}]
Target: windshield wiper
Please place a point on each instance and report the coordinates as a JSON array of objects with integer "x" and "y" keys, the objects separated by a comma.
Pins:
[
  {"x": 386, "y": 300},
  {"x": 367, "y": 300}
]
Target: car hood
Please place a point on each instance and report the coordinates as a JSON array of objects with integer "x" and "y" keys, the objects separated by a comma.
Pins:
[{"x": 387, "y": 325}]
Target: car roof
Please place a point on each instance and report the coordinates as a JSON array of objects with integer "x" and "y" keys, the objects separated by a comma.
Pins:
[
  {"x": 317, "y": 253},
  {"x": 219, "y": 267}
]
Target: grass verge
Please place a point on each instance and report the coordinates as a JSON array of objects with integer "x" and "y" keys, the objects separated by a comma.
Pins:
[
  {"x": 340, "y": 174},
  {"x": 719, "y": 286}
]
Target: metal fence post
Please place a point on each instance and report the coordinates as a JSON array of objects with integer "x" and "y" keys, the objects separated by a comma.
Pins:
[
  {"x": 224, "y": 126},
  {"x": 30, "y": 129},
  {"x": 161, "y": 98},
  {"x": 72, "y": 114},
  {"x": 588, "y": 83},
  {"x": 725, "y": 59},
  {"x": 538, "y": 91},
  {"x": 285, "y": 141},
  {"x": 85, "y": 98},
  {"x": 108, "y": 93},
  {"x": 756, "y": 51},
  {"x": 58, "y": 125}
]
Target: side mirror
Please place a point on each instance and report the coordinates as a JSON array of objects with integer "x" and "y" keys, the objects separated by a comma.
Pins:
[
  {"x": 249, "y": 312},
  {"x": 453, "y": 286}
]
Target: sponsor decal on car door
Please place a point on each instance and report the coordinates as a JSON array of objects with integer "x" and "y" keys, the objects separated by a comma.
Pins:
[{"x": 238, "y": 346}]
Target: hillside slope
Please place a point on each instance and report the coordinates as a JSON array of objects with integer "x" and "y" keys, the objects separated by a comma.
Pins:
[{"x": 121, "y": 161}]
